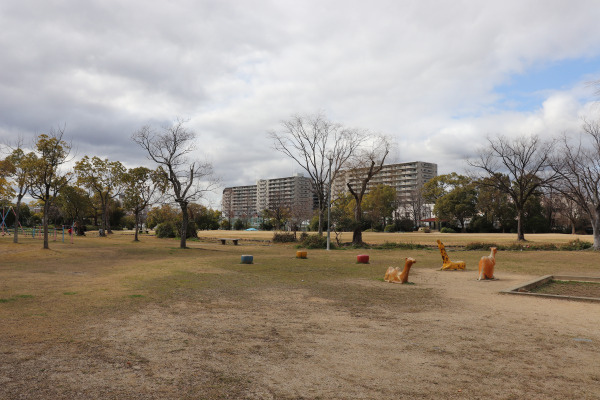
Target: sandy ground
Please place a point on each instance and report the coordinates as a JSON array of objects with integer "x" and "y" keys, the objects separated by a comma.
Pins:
[{"x": 467, "y": 342}]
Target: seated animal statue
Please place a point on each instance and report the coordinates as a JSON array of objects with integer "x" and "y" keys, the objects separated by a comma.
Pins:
[
  {"x": 487, "y": 264},
  {"x": 393, "y": 275},
  {"x": 446, "y": 263}
]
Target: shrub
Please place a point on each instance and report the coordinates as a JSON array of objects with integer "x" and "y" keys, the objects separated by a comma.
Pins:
[
  {"x": 225, "y": 225},
  {"x": 166, "y": 230},
  {"x": 239, "y": 225},
  {"x": 283, "y": 237},
  {"x": 389, "y": 228},
  {"x": 576, "y": 245},
  {"x": 482, "y": 246},
  {"x": 447, "y": 230},
  {"x": 192, "y": 230},
  {"x": 315, "y": 242},
  {"x": 402, "y": 246},
  {"x": 266, "y": 225},
  {"x": 128, "y": 221}
]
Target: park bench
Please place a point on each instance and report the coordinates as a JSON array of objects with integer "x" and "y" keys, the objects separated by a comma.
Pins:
[{"x": 224, "y": 240}]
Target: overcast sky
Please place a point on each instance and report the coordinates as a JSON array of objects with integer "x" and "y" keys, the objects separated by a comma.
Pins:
[{"x": 437, "y": 76}]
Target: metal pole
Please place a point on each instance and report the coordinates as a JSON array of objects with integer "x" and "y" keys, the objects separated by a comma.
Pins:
[{"x": 329, "y": 208}]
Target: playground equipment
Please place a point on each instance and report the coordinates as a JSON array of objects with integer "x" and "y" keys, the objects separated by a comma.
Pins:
[
  {"x": 301, "y": 254},
  {"x": 487, "y": 264},
  {"x": 393, "y": 275},
  {"x": 446, "y": 263},
  {"x": 38, "y": 232},
  {"x": 247, "y": 259},
  {"x": 362, "y": 259},
  {"x": 3, "y": 222}
]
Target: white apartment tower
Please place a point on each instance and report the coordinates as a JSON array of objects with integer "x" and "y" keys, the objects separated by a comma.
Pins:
[
  {"x": 294, "y": 192},
  {"x": 239, "y": 202},
  {"x": 404, "y": 177}
]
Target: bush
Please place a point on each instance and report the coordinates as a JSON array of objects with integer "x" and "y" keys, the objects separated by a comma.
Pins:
[
  {"x": 166, "y": 230},
  {"x": 239, "y": 225},
  {"x": 576, "y": 245},
  {"x": 402, "y": 246},
  {"x": 266, "y": 225},
  {"x": 283, "y": 237},
  {"x": 389, "y": 228},
  {"x": 481, "y": 246},
  {"x": 128, "y": 221},
  {"x": 447, "y": 230},
  {"x": 225, "y": 225},
  {"x": 315, "y": 242},
  {"x": 192, "y": 230}
]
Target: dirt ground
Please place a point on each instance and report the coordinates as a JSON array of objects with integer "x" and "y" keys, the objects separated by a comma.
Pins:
[
  {"x": 446, "y": 336},
  {"x": 570, "y": 288}
]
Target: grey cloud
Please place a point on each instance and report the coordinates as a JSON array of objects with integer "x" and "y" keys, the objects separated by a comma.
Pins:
[{"x": 235, "y": 69}]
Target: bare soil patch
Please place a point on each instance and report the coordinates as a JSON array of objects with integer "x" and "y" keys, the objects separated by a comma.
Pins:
[{"x": 570, "y": 288}]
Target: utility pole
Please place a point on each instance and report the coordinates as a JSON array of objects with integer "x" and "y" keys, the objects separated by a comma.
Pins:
[{"x": 329, "y": 206}]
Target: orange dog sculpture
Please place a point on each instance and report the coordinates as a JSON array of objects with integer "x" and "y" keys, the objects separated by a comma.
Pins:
[
  {"x": 446, "y": 263},
  {"x": 393, "y": 275},
  {"x": 487, "y": 264}
]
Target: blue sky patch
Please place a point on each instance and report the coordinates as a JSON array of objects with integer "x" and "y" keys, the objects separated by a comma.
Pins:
[{"x": 527, "y": 91}]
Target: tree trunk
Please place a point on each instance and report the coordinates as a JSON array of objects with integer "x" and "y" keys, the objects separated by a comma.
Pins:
[
  {"x": 107, "y": 216},
  {"x": 136, "y": 227},
  {"x": 357, "y": 233},
  {"x": 573, "y": 229},
  {"x": 596, "y": 229},
  {"x": 520, "y": 234},
  {"x": 17, "y": 212},
  {"x": 321, "y": 217},
  {"x": 45, "y": 224},
  {"x": 357, "y": 236},
  {"x": 102, "y": 231},
  {"x": 184, "y": 224}
]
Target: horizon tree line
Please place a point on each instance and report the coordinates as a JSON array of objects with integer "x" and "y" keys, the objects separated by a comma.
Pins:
[{"x": 508, "y": 172}]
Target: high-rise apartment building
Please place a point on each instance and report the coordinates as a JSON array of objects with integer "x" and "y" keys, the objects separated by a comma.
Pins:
[
  {"x": 246, "y": 202},
  {"x": 404, "y": 177},
  {"x": 239, "y": 202}
]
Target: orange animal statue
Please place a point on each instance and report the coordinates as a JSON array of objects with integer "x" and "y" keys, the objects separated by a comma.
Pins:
[
  {"x": 446, "y": 263},
  {"x": 487, "y": 264},
  {"x": 393, "y": 275}
]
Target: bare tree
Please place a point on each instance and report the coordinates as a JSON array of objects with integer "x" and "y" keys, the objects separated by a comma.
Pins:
[
  {"x": 47, "y": 178},
  {"x": 366, "y": 163},
  {"x": 312, "y": 141},
  {"x": 299, "y": 212},
  {"x": 518, "y": 167},
  {"x": 578, "y": 165},
  {"x": 413, "y": 203},
  {"x": 569, "y": 212},
  {"x": 170, "y": 148}
]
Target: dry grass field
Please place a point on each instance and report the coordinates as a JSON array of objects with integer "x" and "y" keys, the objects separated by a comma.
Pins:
[{"x": 107, "y": 318}]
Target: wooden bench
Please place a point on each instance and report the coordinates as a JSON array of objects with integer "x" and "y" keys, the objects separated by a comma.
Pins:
[{"x": 224, "y": 240}]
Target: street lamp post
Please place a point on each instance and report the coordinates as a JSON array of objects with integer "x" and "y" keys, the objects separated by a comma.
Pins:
[{"x": 329, "y": 207}]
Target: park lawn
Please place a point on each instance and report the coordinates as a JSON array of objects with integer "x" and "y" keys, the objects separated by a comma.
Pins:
[
  {"x": 101, "y": 275},
  {"x": 449, "y": 239},
  {"x": 71, "y": 298}
]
